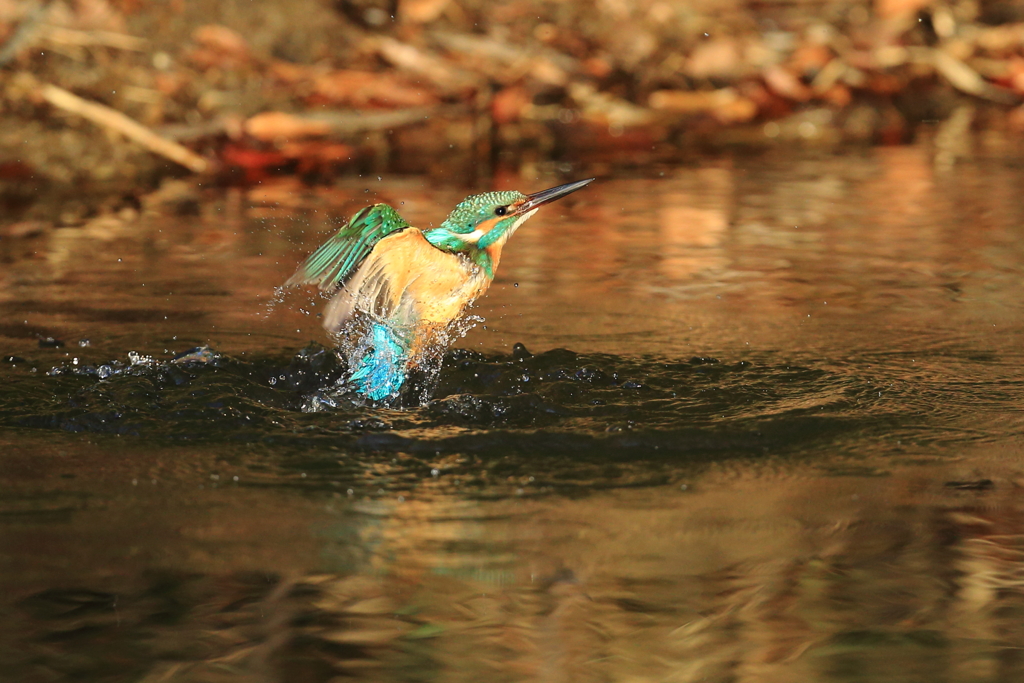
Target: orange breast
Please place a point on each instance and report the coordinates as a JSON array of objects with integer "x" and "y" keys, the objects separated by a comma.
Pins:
[
  {"x": 427, "y": 285},
  {"x": 410, "y": 283}
]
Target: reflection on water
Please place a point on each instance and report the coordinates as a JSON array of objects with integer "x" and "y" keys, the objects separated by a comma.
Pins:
[
  {"x": 751, "y": 572},
  {"x": 763, "y": 425}
]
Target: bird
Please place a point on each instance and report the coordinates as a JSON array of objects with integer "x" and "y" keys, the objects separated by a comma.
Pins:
[{"x": 397, "y": 292}]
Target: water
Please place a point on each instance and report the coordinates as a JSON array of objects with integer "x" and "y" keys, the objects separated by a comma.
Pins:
[{"x": 754, "y": 418}]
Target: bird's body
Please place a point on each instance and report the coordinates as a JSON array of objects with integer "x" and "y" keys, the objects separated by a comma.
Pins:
[
  {"x": 397, "y": 290},
  {"x": 409, "y": 282}
]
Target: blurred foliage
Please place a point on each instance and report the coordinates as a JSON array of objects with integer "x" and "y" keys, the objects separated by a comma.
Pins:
[{"x": 319, "y": 87}]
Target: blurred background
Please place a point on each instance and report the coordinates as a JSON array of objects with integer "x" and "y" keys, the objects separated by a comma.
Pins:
[{"x": 458, "y": 88}]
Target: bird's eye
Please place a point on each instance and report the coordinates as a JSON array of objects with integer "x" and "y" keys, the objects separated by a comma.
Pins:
[{"x": 501, "y": 211}]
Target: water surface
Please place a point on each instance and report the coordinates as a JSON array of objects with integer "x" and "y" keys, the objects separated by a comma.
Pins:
[{"x": 753, "y": 418}]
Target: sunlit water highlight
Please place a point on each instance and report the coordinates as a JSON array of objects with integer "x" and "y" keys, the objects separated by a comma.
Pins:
[{"x": 755, "y": 420}]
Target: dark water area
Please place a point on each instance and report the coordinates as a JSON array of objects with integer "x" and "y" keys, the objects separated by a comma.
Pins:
[{"x": 756, "y": 418}]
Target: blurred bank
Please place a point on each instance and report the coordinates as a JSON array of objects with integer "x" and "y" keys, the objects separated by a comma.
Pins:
[{"x": 96, "y": 91}]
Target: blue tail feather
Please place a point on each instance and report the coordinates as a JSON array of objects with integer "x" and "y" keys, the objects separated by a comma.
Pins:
[{"x": 381, "y": 372}]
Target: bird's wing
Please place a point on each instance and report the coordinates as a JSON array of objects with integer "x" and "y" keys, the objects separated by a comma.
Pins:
[{"x": 337, "y": 259}]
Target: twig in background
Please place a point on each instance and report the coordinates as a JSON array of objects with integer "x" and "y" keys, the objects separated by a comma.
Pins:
[
  {"x": 966, "y": 79},
  {"x": 440, "y": 73},
  {"x": 270, "y": 125},
  {"x": 106, "y": 117},
  {"x": 331, "y": 123}
]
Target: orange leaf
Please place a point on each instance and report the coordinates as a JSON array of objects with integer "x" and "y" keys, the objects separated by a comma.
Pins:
[
  {"x": 277, "y": 125},
  {"x": 365, "y": 88},
  {"x": 508, "y": 104},
  {"x": 782, "y": 82}
]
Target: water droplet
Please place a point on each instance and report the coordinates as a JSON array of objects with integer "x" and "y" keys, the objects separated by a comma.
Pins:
[{"x": 135, "y": 358}]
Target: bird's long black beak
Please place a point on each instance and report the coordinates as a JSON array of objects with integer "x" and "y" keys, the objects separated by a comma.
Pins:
[{"x": 544, "y": 196}]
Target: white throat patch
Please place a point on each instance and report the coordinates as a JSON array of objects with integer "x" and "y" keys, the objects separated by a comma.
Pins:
[{"x": 519, "y": 221}]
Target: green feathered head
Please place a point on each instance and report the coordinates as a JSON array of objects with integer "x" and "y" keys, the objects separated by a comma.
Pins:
[
  {"x": 481, "y": 208},
  {"x": 489, "y": 219}
]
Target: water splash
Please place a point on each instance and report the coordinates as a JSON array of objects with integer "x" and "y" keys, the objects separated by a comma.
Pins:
[
  {"x": 137, "y": 363},
  {"x": 592, "y": 405},
  {"x": 355, "y": 343},
  {"x": 271, "y": 305},
  {"x": 429, "y": 368},
  {"x": 136, "y": 359},
  {"x": 200, "y": 354}
]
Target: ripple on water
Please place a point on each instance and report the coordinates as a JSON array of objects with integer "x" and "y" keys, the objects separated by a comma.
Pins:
[{"x": 589, "y": 405}]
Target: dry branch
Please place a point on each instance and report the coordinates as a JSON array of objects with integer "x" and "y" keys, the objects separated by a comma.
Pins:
[
  {"x": 112, "y": 119},
  {"x": 961, "y": 76},
  {"x": 414, "y": 60}
]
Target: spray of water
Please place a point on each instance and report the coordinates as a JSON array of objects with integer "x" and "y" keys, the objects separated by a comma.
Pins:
[
  {"x": 276, "y": 300},
  {"x": 354, "y": 343}
]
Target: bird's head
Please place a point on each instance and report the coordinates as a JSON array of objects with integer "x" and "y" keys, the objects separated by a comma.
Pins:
[{"x": 481, "y": 224}]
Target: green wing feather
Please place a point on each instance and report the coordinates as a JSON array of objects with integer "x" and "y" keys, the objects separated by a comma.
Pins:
[{"x": 338, "y": 257}]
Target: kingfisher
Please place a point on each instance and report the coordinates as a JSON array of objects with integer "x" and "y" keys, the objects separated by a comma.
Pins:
[{"x": 397, "y": 292}]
